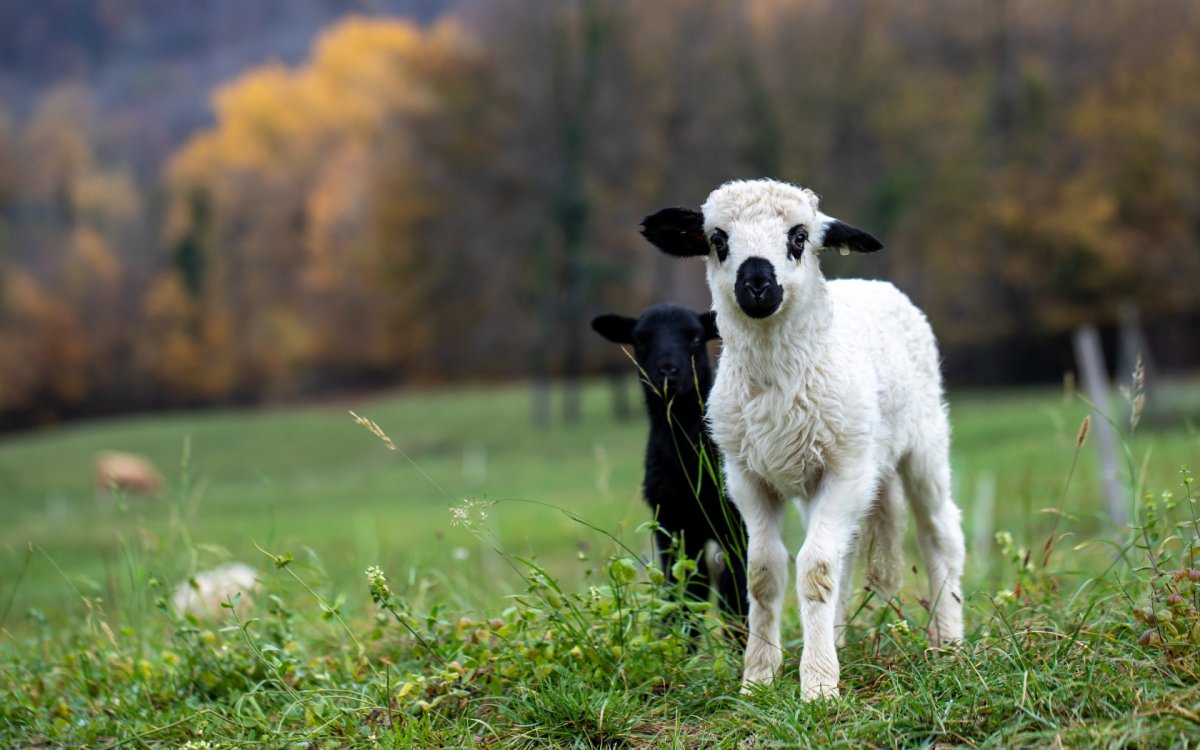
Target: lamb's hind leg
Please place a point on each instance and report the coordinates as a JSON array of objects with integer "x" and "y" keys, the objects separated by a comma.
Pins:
[
  {"x": 881, "y": 545},
  {"x": 926, "y": 474},
  {"x": 845, "y": 590},
  {"x": 883, "y": 539}
]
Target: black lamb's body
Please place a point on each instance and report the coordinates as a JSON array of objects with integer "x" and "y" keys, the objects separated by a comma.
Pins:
[{"x": 670, "y": 345}]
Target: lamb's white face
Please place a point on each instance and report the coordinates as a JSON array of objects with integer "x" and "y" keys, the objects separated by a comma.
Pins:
[
  {"x": 762, "y": 240},
  {"x": 761, "y": 237}
]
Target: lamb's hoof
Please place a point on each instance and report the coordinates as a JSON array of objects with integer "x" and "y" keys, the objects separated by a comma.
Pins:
[
  {"x": 817, "y": 690},
  {"x": 750, "y": 688},
  {"x": 754, "y": 680},
  {"x": 945, "y": 644}
]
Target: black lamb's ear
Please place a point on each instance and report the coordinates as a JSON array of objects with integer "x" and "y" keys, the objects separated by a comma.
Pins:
[
  {"x": 616, "y": 328},
  {"x": 842, "y": 237},
  {"x": 709, "y": 321},
  {"x": 676, "y": 231}
]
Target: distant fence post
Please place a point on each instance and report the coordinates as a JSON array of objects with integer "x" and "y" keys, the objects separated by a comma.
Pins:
[{"x": 1089, "y": 358}]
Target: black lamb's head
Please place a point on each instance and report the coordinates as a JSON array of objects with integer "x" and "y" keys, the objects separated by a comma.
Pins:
[{"x": 669, "y": 343}]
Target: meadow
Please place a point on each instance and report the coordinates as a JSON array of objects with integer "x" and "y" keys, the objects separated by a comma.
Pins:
[{"x": 508, "y": 605}]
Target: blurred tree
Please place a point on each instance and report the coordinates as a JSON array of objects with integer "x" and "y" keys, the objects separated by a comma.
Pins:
[
  {"x": 577, "y": 48},
  {"x": 65, "y": 282},
  {"x": 280, "y": 220},
  {"x": 1097, "y": 208}
]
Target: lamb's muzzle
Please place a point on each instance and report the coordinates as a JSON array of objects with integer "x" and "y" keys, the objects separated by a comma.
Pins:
[{"x": 757, "y": 291}]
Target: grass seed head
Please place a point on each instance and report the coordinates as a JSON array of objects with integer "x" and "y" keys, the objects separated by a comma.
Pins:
[
  {"x": 375, "y": 430},
  {"x": 1138, "y": 395}
]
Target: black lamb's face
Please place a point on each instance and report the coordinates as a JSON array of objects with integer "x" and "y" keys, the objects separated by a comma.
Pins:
[{"x": 669, "y": 343}]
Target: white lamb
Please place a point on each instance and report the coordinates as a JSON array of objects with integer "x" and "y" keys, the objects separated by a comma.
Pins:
[
  {"x": 828, "y": 392},
  {"x": 203, "y": 594}
]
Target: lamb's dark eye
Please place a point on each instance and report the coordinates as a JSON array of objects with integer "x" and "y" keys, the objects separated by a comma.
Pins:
[
  {"x": 697, "y": 341},
  {"x": 797, "y": 236},
  {"x": 720, "y": 242}
]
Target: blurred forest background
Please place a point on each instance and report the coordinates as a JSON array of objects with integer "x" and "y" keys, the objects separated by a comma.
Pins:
[{"x": 234, "y": 202}]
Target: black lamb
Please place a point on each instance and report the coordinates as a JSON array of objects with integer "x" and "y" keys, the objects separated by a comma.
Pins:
[{"x": 670, "y": 346}]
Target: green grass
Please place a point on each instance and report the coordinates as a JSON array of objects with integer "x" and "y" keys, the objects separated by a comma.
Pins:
[
  {"x": 313, "y": 478},
  {"x": 87, "y": 657}
]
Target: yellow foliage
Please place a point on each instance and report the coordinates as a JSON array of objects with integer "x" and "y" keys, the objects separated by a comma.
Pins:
[
  {"x": 336, "y": 210},
  {"x": 90, "y": 248},
  {"x": 41, "y": 349},
  {"x": 189, "y": 356},
  {"x": 295, "y": 239},
  {"x": 166, "y": 299},
  {"x": 106, "y": 197},
  {"x": 23, "y": 296},
  {"x": 363, "y": 69},
  {"x": 275, "y": 121}
]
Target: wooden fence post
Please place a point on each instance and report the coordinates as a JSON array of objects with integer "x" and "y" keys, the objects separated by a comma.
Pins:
[{"x": 1089, "y": 357}]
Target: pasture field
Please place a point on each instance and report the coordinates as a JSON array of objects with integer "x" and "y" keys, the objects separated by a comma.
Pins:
[{"x": 509, "y": 608}]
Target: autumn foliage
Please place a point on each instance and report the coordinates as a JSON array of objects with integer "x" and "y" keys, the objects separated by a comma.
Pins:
[{"x": 449, "y": 200}]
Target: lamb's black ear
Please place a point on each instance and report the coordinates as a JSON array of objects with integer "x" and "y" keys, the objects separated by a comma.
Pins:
[
  {"x": 709, "y": 321},
  {"x": 842, "y": 237},
  {"x": 676, "y": 231},
  {"x": 616, "y": 328}
]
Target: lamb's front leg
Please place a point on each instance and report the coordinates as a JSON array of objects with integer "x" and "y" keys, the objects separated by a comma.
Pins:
[
  {"x": 833, "y": 518},
  {"x": 766, "y": 573}
]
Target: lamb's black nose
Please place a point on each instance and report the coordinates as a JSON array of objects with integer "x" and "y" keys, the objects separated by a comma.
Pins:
[
  {"x": 758, "y": 286},
  {"x": 758, "y": 292},
  {"x": 668, "y": 371}
]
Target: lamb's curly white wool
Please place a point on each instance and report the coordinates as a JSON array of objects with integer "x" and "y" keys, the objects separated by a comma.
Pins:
[
  {"x": 203, "y": 594},
  {"x": 828, "y": 392}
]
